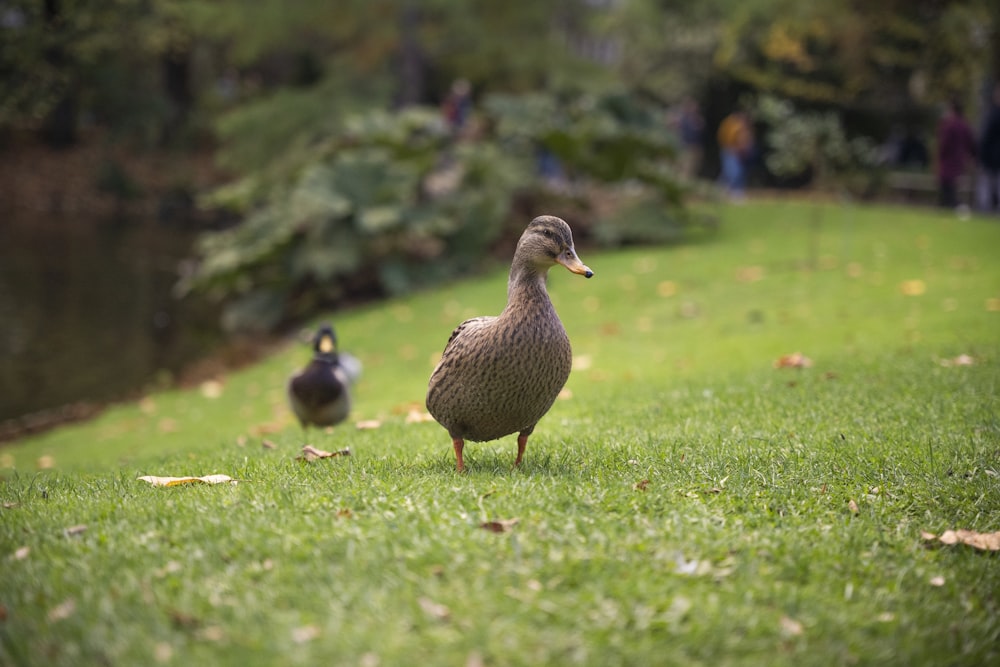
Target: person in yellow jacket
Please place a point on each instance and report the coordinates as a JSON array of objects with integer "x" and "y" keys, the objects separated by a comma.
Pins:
[{"x": 735, "y": 144}]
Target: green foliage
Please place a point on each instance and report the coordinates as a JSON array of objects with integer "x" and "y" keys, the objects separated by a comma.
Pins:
[
  {"x": 814, "y": 142},
  {"x": 388, "y": 202},
  {"x": 689, "y": 504}
]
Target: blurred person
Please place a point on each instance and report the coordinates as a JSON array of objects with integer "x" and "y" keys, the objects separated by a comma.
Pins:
[
  {"x": 457, "y": 106},
  {"x": 955, "y": 145},
  {"x": 735, "y": 145},
  {"x": 691, "y": 129},
  {"x": 988, "y": 185}
]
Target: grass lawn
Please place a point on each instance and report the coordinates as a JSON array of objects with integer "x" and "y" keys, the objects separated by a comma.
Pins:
[{"x": 686, "y": 503}]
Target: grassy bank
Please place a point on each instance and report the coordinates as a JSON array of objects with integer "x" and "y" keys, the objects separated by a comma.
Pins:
[{"x": 686, "y": 502}]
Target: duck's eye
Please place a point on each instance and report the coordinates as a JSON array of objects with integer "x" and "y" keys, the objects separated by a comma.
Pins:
[{"x": 548, "y": 233}]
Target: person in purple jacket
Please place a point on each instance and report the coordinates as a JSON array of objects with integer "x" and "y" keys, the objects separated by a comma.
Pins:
[{"x": 955, "y": 145}]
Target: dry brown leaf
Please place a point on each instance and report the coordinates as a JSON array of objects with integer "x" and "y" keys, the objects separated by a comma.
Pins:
[
  {"x": 22, "y": 553},
  {"x": 790, "y": 626},
  {"x": 10, "y": 506},
  {"x": 641, "y": 485},
  {"x": 853, "y": 506},
  {"x": 310, "y": 453},
  {"x": 960, "y": 360},
  {"x": 62, "y": 611},
  {"x": 267, "y": 444},
  {"x": 75, "y": 530},
  {"x": 177, "y": 481},
  {"x": 433, "y": 609},
  {"x": 793, "y": 360},
  {"x": 306, "y": 633},
  {"x": 368, "y": 424},
  {"x": 344, "y": 513},
  {"x": 749, "y": 274},
  {"x": 981, "y": 541},
  {"x": 418, "y": 417},
  {"x": 499, "y": 526}
]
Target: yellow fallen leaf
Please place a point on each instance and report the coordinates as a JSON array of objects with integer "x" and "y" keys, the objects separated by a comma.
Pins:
[
  {"x": 565, "y": 394},
  {"x": 177, "y": 481},
  {"x": 666, "y": 289},
  {"x": 211, "y": 389},
  {"x": 582, "y": 362},
  {"x": 912, "y": 287},
  {"x": 46, "y": 462},
  {"x": 368, "y": 425},
  {"x": 310, "y": 453}
]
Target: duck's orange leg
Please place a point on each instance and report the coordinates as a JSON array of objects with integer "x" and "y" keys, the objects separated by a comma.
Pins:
[
  {"x": 459, "y": 445},
  {"x": 522, "y": 442}
]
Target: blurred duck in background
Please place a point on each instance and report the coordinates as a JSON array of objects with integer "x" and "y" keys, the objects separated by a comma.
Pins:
[{"x": 320, "y": 394}]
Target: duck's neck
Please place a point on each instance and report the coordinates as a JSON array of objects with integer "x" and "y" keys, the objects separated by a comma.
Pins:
[{"x": 526, "y": 289}]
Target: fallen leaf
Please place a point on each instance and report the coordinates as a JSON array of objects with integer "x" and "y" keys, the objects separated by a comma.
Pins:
[
  {"x": 75, "y": 530},
  {"x": 749, "y": 274},
  {"x": 981, "y": 541},
  {"x": 212, "y": 633},
  {"x": 418, "y": 417},
  {"x": 344, "y": 513},
  {"x": 565, "y": 394},
  {"x": 912, "y": 287},
  {"x": 177, "y": 481},
  {"x": 582, "y": 362},
  {"x": 10, "y": 506},
  {"x": 310, "y": 453},
  {"x": 667, "y": 288},
  {"x": 641, "y": 486},
  {"x": 937, "y": 581},
  {"x": 306, "y": 633},
  {"x": 790, "y": 626},
  {"x": 793, "y": 360},
  {"x": 853, "y": 506},
  {"x": 433, "y": 609},
  {"x": 211, "y": 389},
  {"x": 960, "y": 360},
  {"x": 46, "y": 462},
  {"x": 267, "y": 444},
  {"x": 267, "y": 428},
  {"x": 163, "y": 652},
  {"x": 22, "y": 553},
  {"x": 62, "y": 611},
  {"x": 368, "y": 424},
  {"x": 499, "y": 526}
]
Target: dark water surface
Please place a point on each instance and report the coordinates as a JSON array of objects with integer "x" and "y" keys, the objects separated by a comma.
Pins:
[{"x": 87, "y": 312}]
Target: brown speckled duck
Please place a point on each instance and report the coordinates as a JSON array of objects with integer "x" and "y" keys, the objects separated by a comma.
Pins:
[{"x": 500, "y": 375}]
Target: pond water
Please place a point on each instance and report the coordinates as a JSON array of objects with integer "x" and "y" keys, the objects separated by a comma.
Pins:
[{"x": 87, "y": 312}]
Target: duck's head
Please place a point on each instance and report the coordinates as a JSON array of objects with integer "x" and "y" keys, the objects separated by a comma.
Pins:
[
  {"x": 548, "y": 240},
  {"x": 325, "y": 343}
]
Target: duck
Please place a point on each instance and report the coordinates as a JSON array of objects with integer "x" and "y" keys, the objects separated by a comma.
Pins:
[
  {"x": 501, "y": 374},
  {"x": 320, "y": 394}
]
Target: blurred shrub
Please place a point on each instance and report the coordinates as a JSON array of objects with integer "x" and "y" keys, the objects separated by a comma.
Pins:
[
  {"x": 814, "y": 143},
  {"x": 390, "y": 202}
]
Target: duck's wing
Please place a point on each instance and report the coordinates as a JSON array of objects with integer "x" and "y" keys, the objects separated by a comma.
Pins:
[
  {"x": 465, "y": 332},
  {"x": 350, "y": 365}
]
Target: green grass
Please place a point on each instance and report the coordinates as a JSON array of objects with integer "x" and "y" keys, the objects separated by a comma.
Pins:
[{"x": 740, "y": 549}]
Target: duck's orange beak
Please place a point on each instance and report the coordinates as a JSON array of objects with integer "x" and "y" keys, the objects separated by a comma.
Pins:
[{"x": 569, "y": 259}]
